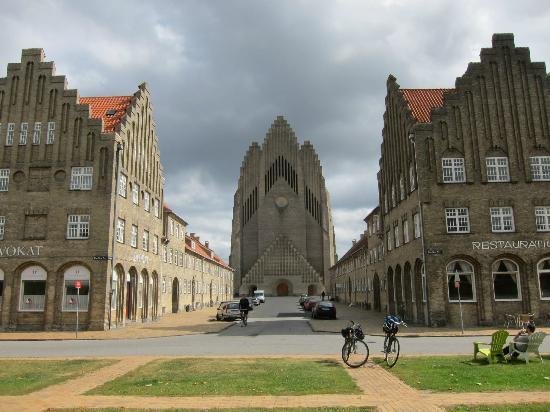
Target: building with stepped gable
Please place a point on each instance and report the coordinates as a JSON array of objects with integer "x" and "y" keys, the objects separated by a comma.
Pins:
[{"x": 282, "y": 239}]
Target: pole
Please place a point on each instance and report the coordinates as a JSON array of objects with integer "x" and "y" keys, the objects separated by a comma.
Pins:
[
  {"x": 117, "y": 161},
  {"x": 77, "y": 308},
  {"x": 457, "y": 285}
]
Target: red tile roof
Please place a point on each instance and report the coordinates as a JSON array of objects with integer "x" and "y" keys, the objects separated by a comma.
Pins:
[
  {"x": 422, "y": 101},
  {"x": 203, "y": 251},
  {"x": 99, "y": 106}
]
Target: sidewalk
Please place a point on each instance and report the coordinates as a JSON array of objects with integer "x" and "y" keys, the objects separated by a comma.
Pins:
[
  {"x": 380, "y": 390},
  {"x": 371, "y": 322},
  {"x": 185, "y": 323}
]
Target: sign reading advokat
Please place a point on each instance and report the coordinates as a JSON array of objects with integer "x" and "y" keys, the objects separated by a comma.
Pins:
[{"x": 17, "y": 251}]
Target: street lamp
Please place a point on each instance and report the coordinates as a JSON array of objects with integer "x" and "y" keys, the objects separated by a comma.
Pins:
[{"x": 457, "y": 286}]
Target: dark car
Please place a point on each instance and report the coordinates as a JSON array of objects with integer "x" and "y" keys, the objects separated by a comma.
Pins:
[
  {"x": 310, "y": 302},
  {"x": 323, "y": 309}
]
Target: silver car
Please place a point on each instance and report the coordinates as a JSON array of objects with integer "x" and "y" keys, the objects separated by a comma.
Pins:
[{"x": 228, "y": 310}]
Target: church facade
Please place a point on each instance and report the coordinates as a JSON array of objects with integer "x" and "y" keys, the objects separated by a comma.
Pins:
[{"x": 282, "y": 238}]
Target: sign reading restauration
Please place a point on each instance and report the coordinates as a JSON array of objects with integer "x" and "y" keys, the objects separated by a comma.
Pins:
[
  {"x": 510, "y": 244},
  {"x": 16, "y": 251}
]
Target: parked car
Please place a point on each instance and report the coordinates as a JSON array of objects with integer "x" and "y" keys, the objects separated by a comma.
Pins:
[
  {"x": 228, "y": 311},
  {"x": 323, "y": 309},
  {"x": 311, "y": 300},
  {"x": 302, "y": 299}
]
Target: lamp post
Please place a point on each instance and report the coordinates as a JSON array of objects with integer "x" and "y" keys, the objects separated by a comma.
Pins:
[
  {"x": 457, "y": 286},
  {"x": 117, "y": 161}
]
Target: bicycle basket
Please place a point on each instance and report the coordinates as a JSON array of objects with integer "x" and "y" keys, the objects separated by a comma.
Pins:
[
  {"x": 345, "y": 332},
  {"x": 359, "y": 334}
]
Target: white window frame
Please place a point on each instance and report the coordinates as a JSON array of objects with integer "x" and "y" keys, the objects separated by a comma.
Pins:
[
  {"x": 542, "y": 218},
  {"x": 497, "y": 169},
  {"x": 396, "y": 237},
  {"x": 145, "y": 240},
  {"x": 78, "y": 226},
  {"x": 2, "y": 226},
  {"x": 155, "y": 245},
  {"x": 68, "y": 303},
  {"x": 146, "y": 201},
  {"x": 23, "y": 133},
  {"x": 135, "y": 193},
  {"x": 412, "y": 182},
  {"x": 81, "y": 178},
  {"x": 36, "y": 133},
  {"x": 133, "y": 236},
  {"x": 50, "y": 139},
  {"x": 406, "y": 231},
  {"x": 10, "y": 133},
  {"x": 123, "y": 179},
  {"x": 389, "y": 240},
  {"x": 464, "y": 273},
  {"x": 502, "y": 219},
  {"x": 453, "y": 170},
  {"x": 518, "y": 280},
  {"x": 459, "y": 218},
  {"x": 120, "y": 229},
  {"x": 540, "y": 168},
  {"x": 4, "y": 180},
  {"x": 417, "y": 226},
  {"x": 32, "y": 303},
  {"x": 156, "y": 208},
  {"x": 401, "y": 188},
  {"x": 545, "y": 272}
]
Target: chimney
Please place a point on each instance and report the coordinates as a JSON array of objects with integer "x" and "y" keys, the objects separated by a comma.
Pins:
[
  {"x": 192, "y": 234},
  {"x": 207, "y": 244},
  {"x": 353, "y": 242}
]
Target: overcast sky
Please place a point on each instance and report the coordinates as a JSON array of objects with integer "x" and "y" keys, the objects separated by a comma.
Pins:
[{"x": 221, "y": 71}]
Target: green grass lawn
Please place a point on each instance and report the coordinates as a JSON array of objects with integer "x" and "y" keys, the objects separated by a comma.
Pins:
[
  {"x": 19, "y": 377},
  {"x": 520, "y": 407},
  {"x": 196, "y": 377},
  {"x": 463, "y": 374}
]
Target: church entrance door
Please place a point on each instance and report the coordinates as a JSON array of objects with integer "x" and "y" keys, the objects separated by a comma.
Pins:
[{"x": 282, "y": 289}]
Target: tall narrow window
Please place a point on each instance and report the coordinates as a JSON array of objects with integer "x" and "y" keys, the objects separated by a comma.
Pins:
[
  {"x": 497, "y": 169},
  {"x": 453, "y": 170},
  {"x": 396, "y": 236},
  {"x": 543, "y": 270},
  {"x": 412, "y": 182},
  {"x": 401, "y": 188},
  {"x": 156, "y": 209},
  {"x": 50, "y": 138},
  {"x": 33, "y": 289},
  {"x": 122, "y": 185},
  {"x": 135, "y": 194},
  {"x": 120, "y": 226},
  {"x": 542, "y": 217},
  {"x": 10, "y": 133},
  {"x": 4, "y": 179},
  {"x": 78, "y": 226},
  {"x": 458, "y": 220},
  {"x": 81, "y": 178},
  {"x": 155, "y": 244},
  {"x": 134, "y": 236},
  {"x": 23, "y": 134},
  {"x": 417, "y": 226},
  {"x": 146, "y": 201},
  {"x": 2, "y": 225},
  {"x": 540, "y": 168},
  {"x": 405, "y": 231},
  {"x": 145, "y": 240},
  {"x": 36, "y": 133},
  {"x": 502, "y": 219}
]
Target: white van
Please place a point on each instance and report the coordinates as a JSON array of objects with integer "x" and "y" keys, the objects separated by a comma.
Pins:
[{"x": 260, "y": 295}]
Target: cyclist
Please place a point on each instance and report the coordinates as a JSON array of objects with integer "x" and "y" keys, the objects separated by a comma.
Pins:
[{"x": 244, "y": 307}]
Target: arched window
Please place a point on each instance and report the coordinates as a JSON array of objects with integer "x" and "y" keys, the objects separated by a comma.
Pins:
[
  {"x": 74, "y": 299},
  {"x": 543, "y": 270},
  {"x": 506, "y": 283},
  {"x": 460, "y": 278},
  {"x": 33, "y": 289}
]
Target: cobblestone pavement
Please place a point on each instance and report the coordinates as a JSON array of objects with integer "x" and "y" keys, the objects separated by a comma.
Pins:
[{"x": 381, "y": 390}]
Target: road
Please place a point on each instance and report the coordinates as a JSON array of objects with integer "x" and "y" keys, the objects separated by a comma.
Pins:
[{"x": 277, "y": 327}]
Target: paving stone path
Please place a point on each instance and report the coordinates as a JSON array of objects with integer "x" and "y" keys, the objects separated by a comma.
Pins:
[{"x": 380, "y": 388}]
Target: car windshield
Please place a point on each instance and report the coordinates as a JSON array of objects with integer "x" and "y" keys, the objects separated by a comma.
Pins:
[
  {"x": 233, "y": 306},
  {"x": 327, "y": 304}
]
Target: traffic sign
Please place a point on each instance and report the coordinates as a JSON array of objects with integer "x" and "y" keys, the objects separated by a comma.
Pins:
[{"x": 77, "y": 284}]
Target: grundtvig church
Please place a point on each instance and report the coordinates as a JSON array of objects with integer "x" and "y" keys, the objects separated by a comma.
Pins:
[{"x": 282, "y": 240}]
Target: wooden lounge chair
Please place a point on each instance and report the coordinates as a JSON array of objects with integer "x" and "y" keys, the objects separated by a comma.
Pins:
[
  {"x": 493, "y": 349},
  {"x": 535, "y": 341}
]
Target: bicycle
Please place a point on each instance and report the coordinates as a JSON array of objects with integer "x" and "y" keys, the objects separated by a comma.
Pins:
[
  {"x": 244, "y": 316},
  {"x": 391, "y": 343},
  {"x": 355, "y": 351}
]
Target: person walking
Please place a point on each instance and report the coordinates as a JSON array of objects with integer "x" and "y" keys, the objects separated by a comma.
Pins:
[{"x": 323, "y": 294}]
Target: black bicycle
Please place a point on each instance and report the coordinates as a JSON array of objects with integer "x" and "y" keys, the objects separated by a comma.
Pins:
[
  {"x": 244, "y": 316},
  {"x": 391, "y": 343},
  {"x": 355, "y": 351}
]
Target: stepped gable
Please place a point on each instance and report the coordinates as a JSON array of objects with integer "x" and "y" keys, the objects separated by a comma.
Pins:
[{"x": 110, "y": 109}]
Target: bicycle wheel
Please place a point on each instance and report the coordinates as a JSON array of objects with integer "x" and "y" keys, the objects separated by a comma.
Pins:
[
  {"x": 392, "y": 351},
  {"x": 245, "y": 318},
  {"x": 355, "y": 353}
]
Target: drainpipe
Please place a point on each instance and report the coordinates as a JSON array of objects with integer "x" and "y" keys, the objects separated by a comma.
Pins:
[
  {"x": 412, "y": 138},
  {"x": 117, "y": 161}
]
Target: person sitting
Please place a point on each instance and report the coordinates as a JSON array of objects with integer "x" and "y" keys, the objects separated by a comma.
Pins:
[{"x": 520, "y": 341}]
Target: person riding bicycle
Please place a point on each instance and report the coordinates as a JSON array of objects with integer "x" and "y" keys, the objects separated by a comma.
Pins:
[{"x": 244, "y": 306}]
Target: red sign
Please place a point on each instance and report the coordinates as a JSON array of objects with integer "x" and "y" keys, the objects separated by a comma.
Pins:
[{"x": 77, "y": 284}]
